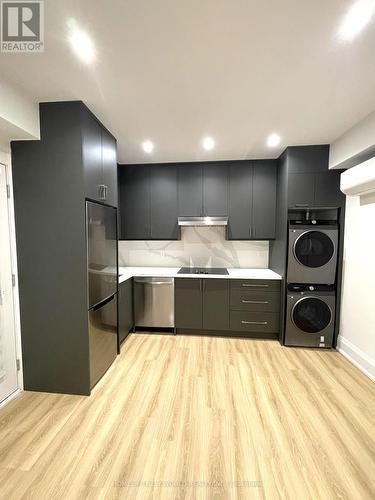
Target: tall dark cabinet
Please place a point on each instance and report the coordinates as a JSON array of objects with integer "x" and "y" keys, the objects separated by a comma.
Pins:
[
  {"x": 75, "y": 159},
  {"x": 305, "y": 183}
]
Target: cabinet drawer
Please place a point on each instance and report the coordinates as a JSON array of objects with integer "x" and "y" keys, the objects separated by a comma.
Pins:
[
  {"x": 248, "y": 299},
  {"x": 270, "y": 285},
  {"x": 267, "y": 322}
]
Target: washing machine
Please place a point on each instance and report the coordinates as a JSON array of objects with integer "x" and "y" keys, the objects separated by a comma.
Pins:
[
  {"x": 312, "y": 254},
  {"x": 310, "y": 316}
]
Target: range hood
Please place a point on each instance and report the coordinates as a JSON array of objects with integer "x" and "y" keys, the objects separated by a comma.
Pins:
[{"x": 203, "y": 221}]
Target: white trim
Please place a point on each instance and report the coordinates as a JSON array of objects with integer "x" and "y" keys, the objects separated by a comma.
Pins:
[
  {"x": 12, "y": 396},
  {"x": 357, "y": 357},
  {"x": 5, "y": 159}
]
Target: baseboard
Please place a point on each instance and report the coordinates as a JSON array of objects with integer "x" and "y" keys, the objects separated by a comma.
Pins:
[
  {"x": 9, "y": 398},
  {"x": 227, "y": 333},
  {"x": 357, "y": 357}
]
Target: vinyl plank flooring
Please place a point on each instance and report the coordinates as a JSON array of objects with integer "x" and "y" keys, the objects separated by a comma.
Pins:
[{"x": 183, "y": 417}]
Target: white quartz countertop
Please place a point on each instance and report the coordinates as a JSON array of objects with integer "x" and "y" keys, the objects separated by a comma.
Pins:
[{"x": 171, "y": 272}]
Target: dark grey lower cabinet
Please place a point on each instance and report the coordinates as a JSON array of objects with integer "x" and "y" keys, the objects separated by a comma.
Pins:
[
  {"x": 125, "y": 309},
  {"x": 215, "y": 304},
  {"x": 202, "y": 303},
  {"x": 188, "y": 303},
  {"x": 219, "y": 306}
]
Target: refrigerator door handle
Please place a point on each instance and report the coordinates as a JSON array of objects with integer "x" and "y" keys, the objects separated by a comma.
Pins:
[{"x": 103, "y": 303}]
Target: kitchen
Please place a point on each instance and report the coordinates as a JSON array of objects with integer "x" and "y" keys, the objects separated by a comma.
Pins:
[{"x": 186, "y": 302}]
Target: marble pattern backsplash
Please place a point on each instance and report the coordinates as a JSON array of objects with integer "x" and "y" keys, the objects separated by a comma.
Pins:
[{"x": 199, "y": 246}]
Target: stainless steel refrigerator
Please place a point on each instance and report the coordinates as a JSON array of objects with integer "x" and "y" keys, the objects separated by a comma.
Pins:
[{"x": 101, "y": 225}]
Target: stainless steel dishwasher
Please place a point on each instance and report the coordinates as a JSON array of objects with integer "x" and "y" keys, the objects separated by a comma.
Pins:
[{"x": 154, "y": 302}]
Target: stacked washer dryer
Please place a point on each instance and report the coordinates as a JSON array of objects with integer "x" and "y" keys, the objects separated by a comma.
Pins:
[{"x": 311, "y": 275}]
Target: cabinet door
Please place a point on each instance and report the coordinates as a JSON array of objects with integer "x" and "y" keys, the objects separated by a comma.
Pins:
[
  {"x": 215, "y": 189},
  {"x": 264, "y": 200},
  {"x": 301, "y": 190},
  {"x": 188, "y": 303},
  {"x": 215, "y": 304},
  {"x": 91, "y": 155},
  {"x": 109, "y": 162},
  {"x": 125, "y": 309},
  {"x": 190, "y": 190},
  {"x": 134, "y": 202},
  {"x": 163, "y": 189},
  {"x": 327, "y": 190},
  {"x": 240, "y": 201}
]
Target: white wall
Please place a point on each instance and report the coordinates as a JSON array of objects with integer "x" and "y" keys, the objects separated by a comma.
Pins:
[
  {"x": 357, "y": 326},
  {"x": 355, "y": 146},
  {"x": 19, "y": 120},
  {"x": 199, "y": 246},
  {"x": 19, "y": 116}
]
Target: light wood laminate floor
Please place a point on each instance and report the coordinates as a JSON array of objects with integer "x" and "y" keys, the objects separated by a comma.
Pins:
[{"x": 198, "y": 417}]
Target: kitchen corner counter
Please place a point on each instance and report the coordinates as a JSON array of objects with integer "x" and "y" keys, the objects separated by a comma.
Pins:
[{"x": 172, "y": 272}]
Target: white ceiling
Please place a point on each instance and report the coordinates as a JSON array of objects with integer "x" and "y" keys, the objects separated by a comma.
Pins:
[{"x": 174, "y": 71}]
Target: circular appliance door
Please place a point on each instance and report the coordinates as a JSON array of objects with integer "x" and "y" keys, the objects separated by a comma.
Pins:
[
  {"x": 313, "y": 249},
  {"x": 311, "y": 315}
]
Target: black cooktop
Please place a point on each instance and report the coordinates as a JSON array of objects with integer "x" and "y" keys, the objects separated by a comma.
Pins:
[{"x": 203, "y": 270}]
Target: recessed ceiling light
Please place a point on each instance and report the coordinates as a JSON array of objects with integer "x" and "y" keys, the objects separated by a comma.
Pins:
[
  {"x": 357, "y": 17},
  {"x": 208, "y": 143},
  {"x": 273, "y": 140},
  {"x": 148, "y": 146},
  {"x": 81, "y": 42}
]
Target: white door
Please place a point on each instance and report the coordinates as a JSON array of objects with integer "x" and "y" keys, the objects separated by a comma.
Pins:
[{"x": 8, "y": 357}]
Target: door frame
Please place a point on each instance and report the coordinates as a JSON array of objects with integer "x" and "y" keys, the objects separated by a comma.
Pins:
[{"x": 5, "y": 160}]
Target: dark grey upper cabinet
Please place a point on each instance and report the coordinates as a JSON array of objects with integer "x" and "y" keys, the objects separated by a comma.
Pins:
[
  {"x": 240, "y": 201},
  {"x": 305, "y": 159},
  {"x": 134, "y": 202},
  {"x": 190, "y": 190},
  {"x": 203, "y": 189},
  {"x": 92, "y": 155},
  {"x": 148, "y": 202},
  {"x": 151, "y": 202},
  {"x": 99, "y": 157},
  {"x": 321, "y": 189},
  {"x": 327, "y": 189},
  {"x": 109, "y": 165},
  {"x": 301, "y": 189},
  {"x": 215, "y": 304},
  {"x": 252, "y": 200},
  {"x": 163, "y": 202},
  {"x": 310, "y": 183},
  {"x": 215, "y": 189},
  {"x": 264, "y": 200},
  {"x": 188, "y": 303}
]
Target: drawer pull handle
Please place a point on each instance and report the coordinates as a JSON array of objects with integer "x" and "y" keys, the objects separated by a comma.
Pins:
[
  {"x": 254, "y": 322},
  {"x": 255, "y": 302},
  {"x": 256, "y": 286}
]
